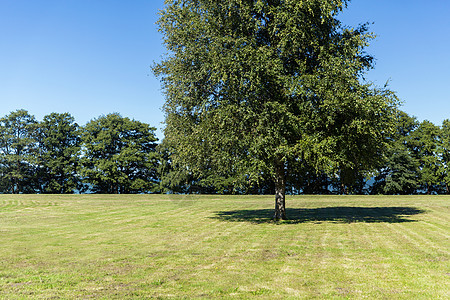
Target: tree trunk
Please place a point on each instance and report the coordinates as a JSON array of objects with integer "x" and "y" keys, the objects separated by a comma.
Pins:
[
  {"x": 14, "y": 186},
  {"x": 343, "y": 189},
  {"x": 280, "y": 191},
  {"x": 325, "y": 187}
]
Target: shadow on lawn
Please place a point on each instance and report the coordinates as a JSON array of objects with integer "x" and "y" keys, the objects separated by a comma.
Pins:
[{"x": 324, "y": 214}]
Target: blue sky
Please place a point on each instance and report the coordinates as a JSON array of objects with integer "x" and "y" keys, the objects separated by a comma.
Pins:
[{"x": 93, "y": 57}]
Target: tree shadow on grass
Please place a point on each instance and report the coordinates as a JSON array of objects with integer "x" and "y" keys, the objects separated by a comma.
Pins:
[{"x": 324, "y": 214}]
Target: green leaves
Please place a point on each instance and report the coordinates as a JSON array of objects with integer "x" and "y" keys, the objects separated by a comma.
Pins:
[
  {"x": 426, "y": 144},
  {"x": 251, "y": 83},
  {"x": 119, "y": 155},
  {"x": 59, "y": 150},
  {"x": 111, "y": 154},
  {"x": 18, "y": 147}
]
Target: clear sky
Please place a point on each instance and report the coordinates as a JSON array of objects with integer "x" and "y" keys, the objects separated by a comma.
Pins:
[{"x": 93, "y": 57}]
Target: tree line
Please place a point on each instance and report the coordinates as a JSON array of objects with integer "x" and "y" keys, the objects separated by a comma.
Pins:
[
  {"x": 110, "y": 154},
  {"x": 114, "y": 154}
]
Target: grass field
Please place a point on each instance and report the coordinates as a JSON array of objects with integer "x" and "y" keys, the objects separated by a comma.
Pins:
[{"x": 141, "y": 246}]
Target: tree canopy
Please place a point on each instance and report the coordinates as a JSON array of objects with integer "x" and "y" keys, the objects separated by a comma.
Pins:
[
  {"x": 18, "y": 132},
  {"x": 254, "y": 88},
  {"x": 119, "y": 155},
  {"x": 110, "y": 154},
  {"x": 59, "y": 146}
]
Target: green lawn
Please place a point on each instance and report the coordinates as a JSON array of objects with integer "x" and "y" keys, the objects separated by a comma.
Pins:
[{"x": 123, "y": 246}]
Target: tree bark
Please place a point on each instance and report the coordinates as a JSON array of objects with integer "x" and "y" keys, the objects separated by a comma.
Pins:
[{"x": 280, "y": 192}]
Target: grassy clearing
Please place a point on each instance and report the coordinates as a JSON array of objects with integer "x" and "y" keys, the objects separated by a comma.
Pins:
[{"x": 104, "y": 246}]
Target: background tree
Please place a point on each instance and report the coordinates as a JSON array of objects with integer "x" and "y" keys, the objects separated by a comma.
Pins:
[
  {"x": 425, "y": 143},
  {"x": 306, "y": 180},
  {"x": 18, "y": 132},
  {"x": 399, "y": 172},
  {"x": 349, "y": 181},
  {"x": 175, "y": 178},
  {"x": 445, "y": 154},
  {"x": 119, "y": 155},
  {"x": 179, "y": 179},
  {"x": 254, "y": 88},
  {"x": 59, "y": 147}
]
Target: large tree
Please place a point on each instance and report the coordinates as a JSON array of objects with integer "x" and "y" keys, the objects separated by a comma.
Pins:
[
  {"x": 444, "y": 152},
  {"x": 425, "y": 143},
  {"x": 255, "y": 87},
  {"x": 399, "y": 172},
  {"x": 119, "y": 155},
  {"x": 18, "y": 146},
  {"x": 59, "y": 147}
]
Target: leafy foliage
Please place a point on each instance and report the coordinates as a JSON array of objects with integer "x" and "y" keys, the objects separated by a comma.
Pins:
[
  {"x": 254, "y": 88},
  {"x": 18, "y": 148},
  {"x": 119, "y": 155},
  {"x": 445, "y": 154},
  {"x": 399, "y": 173},
  {"x": 59, "y": 147},
  {"x": 425, "y": 142}
]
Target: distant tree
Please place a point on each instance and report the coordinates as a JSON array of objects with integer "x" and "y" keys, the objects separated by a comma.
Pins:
[
  {"x": 18, "y": 152},
  {"x": 425, "y": 145},
  {"x": 444, "y": 152},
  {"x": 400, "y": 172},
  {"x": 174, "y": 178},
  {"x": 59, "y": 147},
  {"x": 305, "y": 179},
  {"x": 254, "y": 88},
  {"x": 119, "y": 155},
  {"x": 349, "y": 181},
  {"x": 400, "y": 175}
]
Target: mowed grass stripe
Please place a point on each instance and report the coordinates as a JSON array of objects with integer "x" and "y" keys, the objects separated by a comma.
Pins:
[
  {"x": 424, "y": 240},
  {"x": 123, "y": 246},
  {"x": 414, "y": 262},
  {"x": 440, "y": 230},
  {"x": 412, "y": 241}
]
